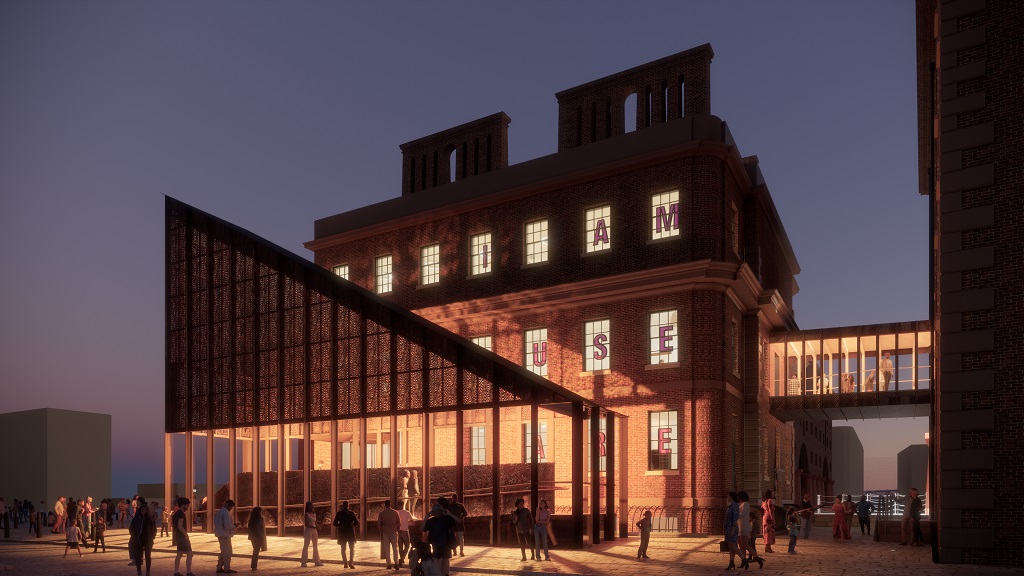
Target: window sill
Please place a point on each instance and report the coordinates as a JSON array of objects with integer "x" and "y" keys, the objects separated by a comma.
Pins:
[
  {"x": 431, "y": 285},
  {"x": 664, "y": 240},
  {"x": 604, "y": 372},
  {"x": 534, "y": 265},
  {"x": 661, "y": 473},
  {"x": 596, "y": 253},
  {"x": 480, "y": 275},
  {"x": 664, "y": 366}
]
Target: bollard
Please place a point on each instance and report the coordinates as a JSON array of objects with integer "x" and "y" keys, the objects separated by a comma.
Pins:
[
  {"x": 40, "y": 518},
  {"x": 7, "y": 527}
]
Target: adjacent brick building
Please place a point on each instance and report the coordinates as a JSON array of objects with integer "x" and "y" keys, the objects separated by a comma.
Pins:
[
  {"x": 971, "y": 117},
  {"x": 643, "y": 270}
]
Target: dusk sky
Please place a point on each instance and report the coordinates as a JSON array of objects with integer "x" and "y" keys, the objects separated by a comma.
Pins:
[{"x": 273, "y": 114}]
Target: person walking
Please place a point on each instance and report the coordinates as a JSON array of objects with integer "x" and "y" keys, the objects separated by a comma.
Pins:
[
  {"x": 257, "y": 534},
  {"x": 768, "y": 520},
  {"x": 165, "y": 524},
  {"x": 346, "y": 521},
  {"x": 180, "y": 537},
  {"x": 387, "y": 523},
  {"x": 460, "y": 513},
  {"x": 850, "y": 509},
  {"x": 404, "y": 542},
  {"x": 99, "y": 530},
  {"x": 864, "y": 508},
  {"x": 541, "y": 530},
  {"x": 224, "y": 530},
  {"x": 732, "y": 530},
  {"x": 806, "y": 511},
  {"x": 793, "y": 525},
  {"x": 523, "y": 521},
  {"x": 309, "y": 534},
  {"x": 645, "y": 535},
  {"x": 143, "y": 530}
]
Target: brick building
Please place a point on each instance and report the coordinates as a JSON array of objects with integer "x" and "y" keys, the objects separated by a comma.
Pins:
[
  {"x": 643, "y": 270},
  {"x": 970, "y": 81}
]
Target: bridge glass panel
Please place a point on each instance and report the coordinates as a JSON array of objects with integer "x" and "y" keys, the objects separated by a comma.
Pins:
[
  {"x": 924, "y": 360},
  {"x": 850, "y": 380},
  {"x": 869, "y": 363},
  {"x": 906, "y": 361},
  {"x": 832, "y": 365}
]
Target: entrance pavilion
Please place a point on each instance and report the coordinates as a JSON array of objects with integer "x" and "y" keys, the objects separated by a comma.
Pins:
[{"x": 287, "y": 384}]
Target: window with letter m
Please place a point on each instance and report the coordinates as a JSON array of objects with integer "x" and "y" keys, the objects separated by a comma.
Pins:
[
  {"x": 665, "y": 215},
  {"x": 664, "y": 435}
]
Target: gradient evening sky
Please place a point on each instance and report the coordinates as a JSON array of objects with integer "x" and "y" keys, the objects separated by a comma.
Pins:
[{"x": 273, "y": 114}]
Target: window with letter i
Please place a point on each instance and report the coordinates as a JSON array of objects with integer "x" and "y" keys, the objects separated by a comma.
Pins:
[
  {"x": 664, "y": 436},
  {"x": 536, "y": 349},
  {"x": 596, "y": 346},
  {"x": 480, "y": 254},
  {"x": 664, "y": 337},
  {"x": 599, "y": 226},
  {"x": 665, "y": 215}
]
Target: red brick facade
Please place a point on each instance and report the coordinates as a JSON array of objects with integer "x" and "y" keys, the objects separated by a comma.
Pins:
[
  {"x": 728, "y": 275},
  {"x": 971, "y": 112}
]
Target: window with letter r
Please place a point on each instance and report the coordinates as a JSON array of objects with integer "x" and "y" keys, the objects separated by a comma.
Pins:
[{"x": 664, "y": 435}]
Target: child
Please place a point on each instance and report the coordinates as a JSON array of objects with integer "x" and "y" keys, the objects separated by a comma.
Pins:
[
  {"x": 793, "y": 524},
  {"x": 72, "y": 541},
  {"x": 100, "y": 528},
  {"x": 645, "y": 534}
]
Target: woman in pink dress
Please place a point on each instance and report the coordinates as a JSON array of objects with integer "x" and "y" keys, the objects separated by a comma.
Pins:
[
  {"x": 768, "y": 520},
  {"x": 840, "y": 532}
]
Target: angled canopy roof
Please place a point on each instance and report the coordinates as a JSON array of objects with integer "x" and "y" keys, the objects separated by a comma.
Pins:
[{"x": 257, "y": 335}]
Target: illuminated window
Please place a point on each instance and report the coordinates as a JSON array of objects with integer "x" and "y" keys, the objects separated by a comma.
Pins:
[
  {"x": 480, "y": 254},
  {"x": 664, "y": 335},
  {"x": 478, "y": 445},
  {"x": 341, "y": 270},
  {"x": 537, "y": 351},
  {"x": 599, "y": 227},
  {"x": 537, "y": 242},
  {"x": 596, "y": 345},
  {"x": 430, "y": 264},
  {"x": 483, "y": 342},
  {"x": 665, "y": 215},
  {"x": 383, "y": 274},
  {"x": 664, "y": 436},
  {"x": 542, "y": 431}
]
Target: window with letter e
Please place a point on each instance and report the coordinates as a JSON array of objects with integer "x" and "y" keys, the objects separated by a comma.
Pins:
[
  {"x": 664, "y": 337},
  {"x": 664, "y": 435}
]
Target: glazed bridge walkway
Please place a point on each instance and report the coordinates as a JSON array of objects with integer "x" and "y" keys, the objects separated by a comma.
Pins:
[{"x": 852, "y": 373}]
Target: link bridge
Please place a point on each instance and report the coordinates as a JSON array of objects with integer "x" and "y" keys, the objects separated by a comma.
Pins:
[{"x": 852, "y": 373}]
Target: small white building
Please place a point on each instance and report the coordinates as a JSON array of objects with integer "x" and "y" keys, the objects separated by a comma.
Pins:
[{"x": 49, "y": 452}]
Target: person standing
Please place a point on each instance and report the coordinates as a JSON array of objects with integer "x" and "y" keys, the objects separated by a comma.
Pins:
[
  {"x": 58, "y": 516},
  {"x": 72, "y": 541},
  {"x": 122, "y": 513},
  {"x": 915, "y": 516},
  {"x": 224, "y": 530},
  {"x": 523, "y": 520},
  {"x": 793, "y": 525},
  {"x": 99, "y": 530},
  {"x": 404, "y": 542},
  {"x": 732, "y": 530},
  {"x": 744, "y": 526},
  {"x": 180, "y": 537},
  {"x": 387, "y": 523},
  {"x": 864, "y": 508},
  {"x": 414, "y": 492},
  {"x": 645, "y": 535},
  {"x": 849, "y": 509},
  {"x": 422, "y": 561},
  {"x": 309, "y": 534},
  {"x": 906, "y": 522},
  {"x": 541, "y": 530},
  {"x": 436, "y": 530},
  {"x": 346, "y": 521},
  {"x": 806, "y": 511},
  {"x": 143, "y": 530},
  {"x": 840, "y": 533},
  {"x": 403, "y": 490},
  {"x": 768, "y": 520},
  {"x": 156, "y": 511},
  {"x": 886, "y": 372},
  {"x": 257, "y": 534},
  {"x": 460, "y": 513},
  {"x": 87, "y": 511}
]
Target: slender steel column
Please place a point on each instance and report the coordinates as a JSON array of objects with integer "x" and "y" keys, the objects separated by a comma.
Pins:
[
  {"x": 609, "y": 476},
  {"x": 364, "y": 474},
  {"x": 210, "y": 483},
  {"x": 168, "y": 465},
  {"x": 535, "y": 456},
  {"x": 307, "y": 460},
  {"x": 334, "y": 466},
  {"x": 232, "y": 465},
  {"x": 495, "y": 475},
  {"x": 282, "y": 469},
  {"x": 190, "y": 482},
  {"x": 578, "y": 525},
  {"x": 624, "y": 478},
  {"x": 256, "y": 468},
  {"x": 595, "y": 476}
]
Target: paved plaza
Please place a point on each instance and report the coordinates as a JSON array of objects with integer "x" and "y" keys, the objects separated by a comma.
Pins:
[{"x": 27, "y": 555}]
